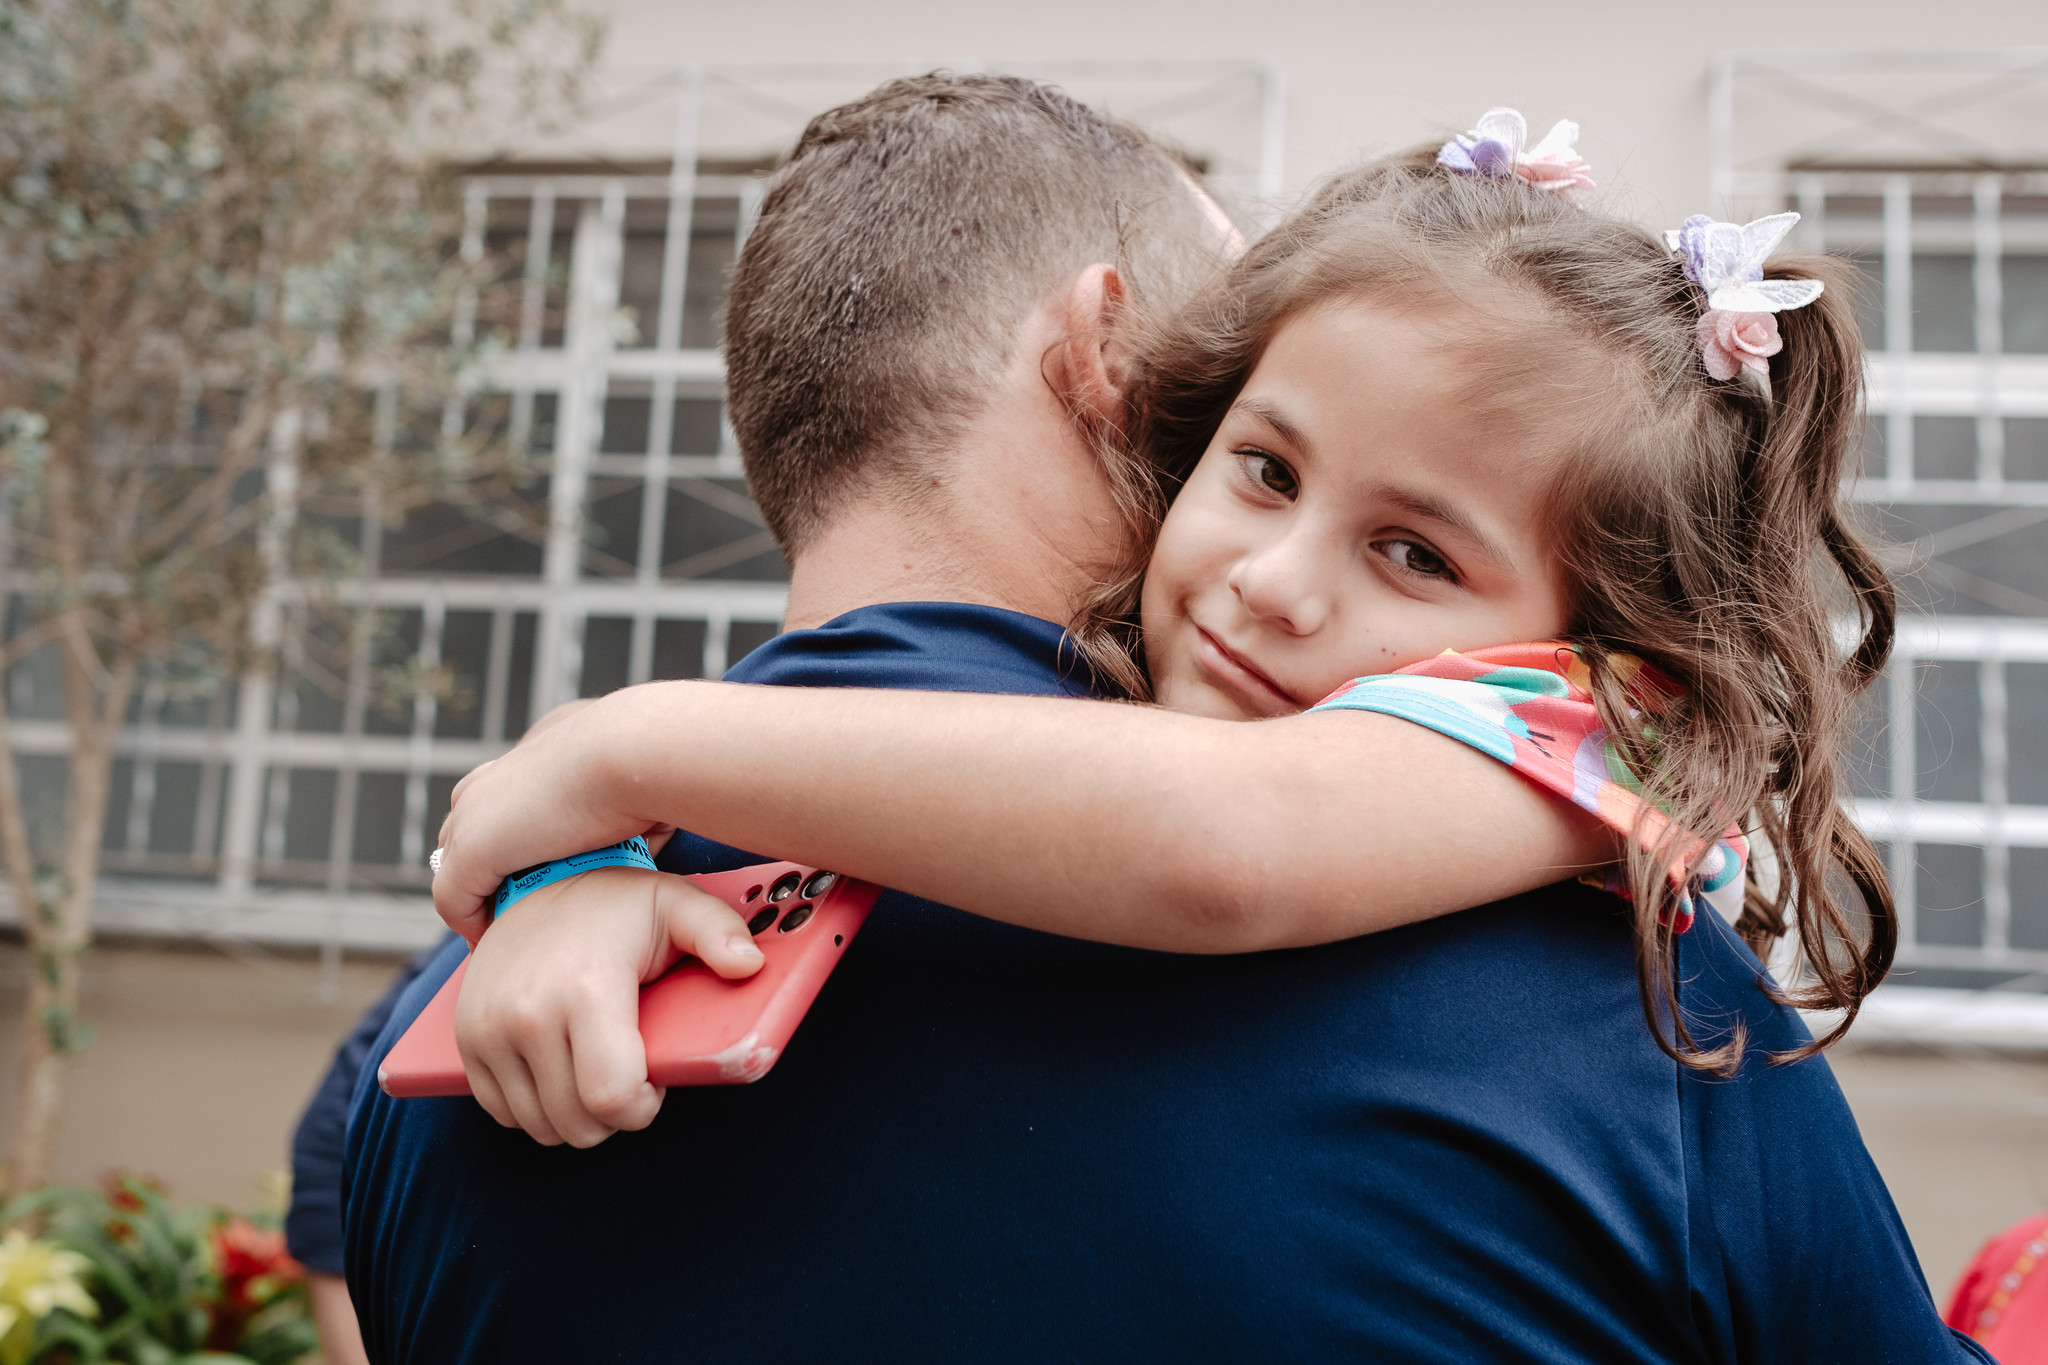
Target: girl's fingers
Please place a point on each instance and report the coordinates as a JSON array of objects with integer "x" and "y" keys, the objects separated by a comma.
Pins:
[
  {"x": 484, "y": 1086},
  {"x": 522, "y": 1100},
  {"x": 462, "y": 784},
  {"x": 464, "y": 910},
  {"x": 500, "y": 1047},
  {"x": 551, "y": 1039},
  {"x": 706, "y": 927},
  {"x": 551, "y": 1007},
  {"x": 608, "y": 1087},
  {"x": 553, "y": 1068}
]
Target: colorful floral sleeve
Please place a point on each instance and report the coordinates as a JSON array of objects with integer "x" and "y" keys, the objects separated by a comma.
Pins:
[{"x": 1530, "y": 707}]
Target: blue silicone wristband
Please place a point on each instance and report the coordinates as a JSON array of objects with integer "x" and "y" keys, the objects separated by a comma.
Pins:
[{"x": 626, "y": 853}]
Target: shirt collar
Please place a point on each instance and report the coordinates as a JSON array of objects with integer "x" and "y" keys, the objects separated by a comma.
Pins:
[{"x": 929, "y": 646}]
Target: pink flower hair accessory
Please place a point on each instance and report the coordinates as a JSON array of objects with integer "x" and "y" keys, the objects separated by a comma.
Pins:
[
  {"x": 1739, "y": 330},
  {"x": 1494, "y": 151},
  {"x": 1732, "y": 342}
]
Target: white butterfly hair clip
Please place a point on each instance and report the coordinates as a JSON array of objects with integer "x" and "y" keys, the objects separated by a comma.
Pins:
[
  {"x": 1494, "y": 151},
  {"x": 1740, "y": 327}
]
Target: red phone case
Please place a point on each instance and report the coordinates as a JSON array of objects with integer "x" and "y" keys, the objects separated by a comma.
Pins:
[{"x": 699, "y": 1028}]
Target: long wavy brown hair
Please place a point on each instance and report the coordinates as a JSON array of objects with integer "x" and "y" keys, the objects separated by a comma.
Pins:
[{"x": 1700, "y": 523}]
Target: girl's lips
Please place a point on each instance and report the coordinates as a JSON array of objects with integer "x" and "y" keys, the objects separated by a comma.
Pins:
[{"x": 1254, "y": 687}]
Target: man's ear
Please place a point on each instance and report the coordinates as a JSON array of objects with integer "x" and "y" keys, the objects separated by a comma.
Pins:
[{"x": 1083, "y": 369}]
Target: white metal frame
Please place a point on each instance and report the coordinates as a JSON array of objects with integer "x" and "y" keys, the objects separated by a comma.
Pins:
[
  {"x": 1988, "y": 386},
  {"x": 1787, "y": 129},
  {"x": 1840, "y": 106}
]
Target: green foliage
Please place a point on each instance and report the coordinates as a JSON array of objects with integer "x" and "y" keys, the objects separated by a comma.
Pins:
[
  {"x": 168, "y": 1286},
  {"x": 224, "y": 224}
]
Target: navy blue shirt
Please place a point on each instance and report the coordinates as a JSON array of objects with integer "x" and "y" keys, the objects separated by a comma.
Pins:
[
  {"x": 999, "y": 652},
  {"x": 312, "y": 1222},
  {"x": 1450, "y": 1142}
]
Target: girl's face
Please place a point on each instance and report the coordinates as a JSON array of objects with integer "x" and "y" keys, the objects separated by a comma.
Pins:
[{"x": 1356, "y": 512}]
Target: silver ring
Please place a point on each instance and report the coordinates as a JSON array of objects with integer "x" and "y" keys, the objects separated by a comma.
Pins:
[{"x": 434, "y": 862}]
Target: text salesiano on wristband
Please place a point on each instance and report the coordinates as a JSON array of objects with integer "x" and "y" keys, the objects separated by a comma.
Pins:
[{"x": 625, "y": 853}]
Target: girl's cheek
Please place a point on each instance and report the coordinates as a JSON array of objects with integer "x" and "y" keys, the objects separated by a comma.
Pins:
[
  {"x": 1160, "y": 593},
  {"x": 1174, "y": 575},
  {"x": 1212, "y": 545}
]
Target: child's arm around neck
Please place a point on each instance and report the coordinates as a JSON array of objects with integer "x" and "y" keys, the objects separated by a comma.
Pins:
[{"x": 1123, "y": 824}]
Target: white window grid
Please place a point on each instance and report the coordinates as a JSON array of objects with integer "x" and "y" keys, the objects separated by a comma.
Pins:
[
  {"x": 1987, "y": 219},
  {"x": 1808, "y": 129},
  {"x": 1906, "y": 823},
  {"x": 230, "y": 776}
]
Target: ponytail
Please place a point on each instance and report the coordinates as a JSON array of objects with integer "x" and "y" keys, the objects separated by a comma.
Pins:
[
  {"x": 1725, "y": 556},
  {"x": 1809, "y": 440}
]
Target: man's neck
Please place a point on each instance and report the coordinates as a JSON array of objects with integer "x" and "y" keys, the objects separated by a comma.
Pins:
[
  {"x": 1016, "y": 514},
  {"x": 886, "y": 551}
]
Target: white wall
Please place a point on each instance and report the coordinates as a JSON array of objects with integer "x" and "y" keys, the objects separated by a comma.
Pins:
[{"x": 1366, "y": 77}]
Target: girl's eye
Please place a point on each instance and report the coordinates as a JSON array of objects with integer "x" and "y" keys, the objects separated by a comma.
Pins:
[
  {"x": 1271, "y": 473},
  {"x": 1417, "y": 558}
]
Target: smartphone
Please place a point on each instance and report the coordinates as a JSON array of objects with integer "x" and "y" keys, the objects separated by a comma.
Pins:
[{"x": 699, "y": 1028}]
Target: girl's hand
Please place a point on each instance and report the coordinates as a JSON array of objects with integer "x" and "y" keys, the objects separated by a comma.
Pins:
[
  {"x": 544, "y": 799},
  {"x": 548, "y": 1020}
]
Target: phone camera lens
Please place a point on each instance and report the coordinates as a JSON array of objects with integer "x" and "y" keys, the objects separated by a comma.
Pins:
[
  {"x": 819, "y": 883},
  {"x": 785, "y": 887},
  {"x": 762, "y": 919},
  {"x": 797, "y": 918}
]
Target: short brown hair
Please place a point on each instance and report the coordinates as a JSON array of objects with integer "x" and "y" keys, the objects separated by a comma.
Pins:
[
  {"x": 899, "y": 246},
  {"x": 1700, "y": 521}
]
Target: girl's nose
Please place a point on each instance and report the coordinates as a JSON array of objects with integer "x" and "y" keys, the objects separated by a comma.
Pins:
[{"x": 1283, "y": 586}]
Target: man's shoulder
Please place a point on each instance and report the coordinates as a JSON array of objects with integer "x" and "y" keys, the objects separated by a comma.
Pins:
[
  {"x": 1556, "y": 951},
  {"x": 1725, "y": 993},
  {"x": 1788, "y": 1212},
  {"x": 1794, "y": 1247}
]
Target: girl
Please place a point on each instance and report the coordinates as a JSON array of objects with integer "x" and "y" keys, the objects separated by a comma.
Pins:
[{"x": 1438, "y": 409}]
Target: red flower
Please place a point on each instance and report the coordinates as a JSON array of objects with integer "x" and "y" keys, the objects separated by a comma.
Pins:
[
  {"x": 252, "y": 1266},
  {"x": 245, "y": 1252},
  {"x": 124, "y": 1195},
  {"x": 124, "y": 1189}
]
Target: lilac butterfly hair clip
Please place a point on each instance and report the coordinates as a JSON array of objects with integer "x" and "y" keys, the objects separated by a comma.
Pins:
[
  {"x": 1740, "y": 327},
  {"x": 1494, "y": 151}
]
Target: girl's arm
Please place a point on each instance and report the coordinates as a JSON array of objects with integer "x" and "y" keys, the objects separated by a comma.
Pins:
[
  {"x": 1123, "y": 824},
  {"x": 1120, "y": 823}
]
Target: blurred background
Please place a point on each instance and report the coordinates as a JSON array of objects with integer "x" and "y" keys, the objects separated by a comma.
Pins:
[{"x": 263, "y": 860}]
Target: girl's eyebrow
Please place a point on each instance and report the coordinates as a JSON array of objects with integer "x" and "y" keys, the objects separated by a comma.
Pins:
[
  {"x": 1433, "y": 509},
  {"x": 1276, "y": 419}
]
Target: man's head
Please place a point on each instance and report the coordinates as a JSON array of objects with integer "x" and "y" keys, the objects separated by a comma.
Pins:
[{"x": 900, "y": 248}]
